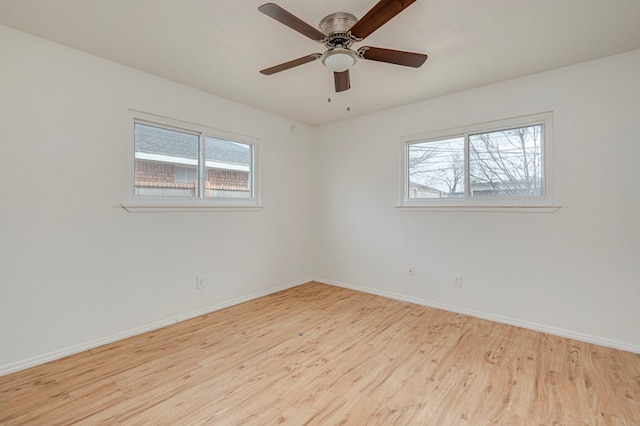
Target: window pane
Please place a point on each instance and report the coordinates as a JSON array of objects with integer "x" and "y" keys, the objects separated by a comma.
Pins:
[
  {"x": 186, "y": 174},
  {"x": 227, "y": 169},
  {"x": 506, "y": 163},
  {"x": 436, "y": 169},
  {"x": 166, "y": 162}
]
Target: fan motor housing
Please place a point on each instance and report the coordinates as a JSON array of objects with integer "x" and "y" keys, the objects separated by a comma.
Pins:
[
  {"x": 339, "y": 22},
  {"x": 336, "y": 26}
]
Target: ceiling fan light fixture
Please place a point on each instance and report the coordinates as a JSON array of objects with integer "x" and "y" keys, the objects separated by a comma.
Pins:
[
  {"x": 338, "y": 32},
  {"x": 339, "y": 60}
]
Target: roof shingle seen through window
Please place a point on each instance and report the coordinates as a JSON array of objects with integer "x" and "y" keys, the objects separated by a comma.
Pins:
[{"x": 156, "y": 140}]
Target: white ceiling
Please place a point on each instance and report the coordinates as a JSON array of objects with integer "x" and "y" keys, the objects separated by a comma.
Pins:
[{"x": 220, "y": 45}]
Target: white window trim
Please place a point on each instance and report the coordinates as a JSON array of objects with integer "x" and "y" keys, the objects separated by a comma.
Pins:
[
  {"x": 544, "y": 203},
  {"x": 136, "y": 203}
]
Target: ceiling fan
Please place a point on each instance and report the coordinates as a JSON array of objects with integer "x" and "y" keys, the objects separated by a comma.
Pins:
[{"x": 338, "y": 32}]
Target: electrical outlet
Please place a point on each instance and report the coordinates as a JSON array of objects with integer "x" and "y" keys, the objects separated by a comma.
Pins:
[
  {"x": 411, "y": 271},
  {"x": 200, "y": 282},
  {"x": 457, "y": 280}
]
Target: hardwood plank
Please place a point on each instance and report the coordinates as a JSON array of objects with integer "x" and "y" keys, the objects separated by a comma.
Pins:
[{"x": 318, "y": 355}]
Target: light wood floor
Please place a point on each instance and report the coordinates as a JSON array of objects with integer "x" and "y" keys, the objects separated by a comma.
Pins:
[{"x": 322, "y": 355}]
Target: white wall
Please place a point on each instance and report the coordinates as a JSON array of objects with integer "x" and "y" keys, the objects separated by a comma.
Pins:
[
  {"x": 574, "y": 272},
  {"x": 76, "y": 269}
]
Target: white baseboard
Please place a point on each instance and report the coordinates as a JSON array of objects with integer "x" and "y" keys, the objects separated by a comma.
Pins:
[
  {"x": 70, "y": 350},
  {"x": 91, "y": 344},
  {"x": 601, "y": 341}
]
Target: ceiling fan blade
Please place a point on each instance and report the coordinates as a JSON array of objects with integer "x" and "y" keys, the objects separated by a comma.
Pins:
[
  {"x": 378, "y": 16},
  {"x": 285, "y": 66},
  {"x": 279, "y": 14},
  {"x": 342, "y": 81},
  {"x": 398, "y": 57}
]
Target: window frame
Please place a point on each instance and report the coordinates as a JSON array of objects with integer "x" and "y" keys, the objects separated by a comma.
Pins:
[
  {"x": 543, "y": 203},
  {"x": 155, "y": 203}
]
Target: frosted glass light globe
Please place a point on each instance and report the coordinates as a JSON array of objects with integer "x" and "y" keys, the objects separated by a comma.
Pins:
[{"x": 339, "y": 60}]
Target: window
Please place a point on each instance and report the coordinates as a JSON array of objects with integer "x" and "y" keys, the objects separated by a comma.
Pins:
[
  {"x": 186, "y": 174},
  {"x": 179, "y": 165},
  {"x": 499, "y": 164}
]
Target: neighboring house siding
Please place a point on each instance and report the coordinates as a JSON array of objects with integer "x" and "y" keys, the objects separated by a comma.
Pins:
[
  {"x": 227, "y": 180},
  {"x": 154, "y": 173},
  {"x": 418, "y": 191},
  {"x": 151, "y": 174}
]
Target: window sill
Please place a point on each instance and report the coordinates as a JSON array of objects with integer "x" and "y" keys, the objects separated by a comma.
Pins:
[
  {"x": 478, "y": 208},
  {"x": 169, "y": 206}
]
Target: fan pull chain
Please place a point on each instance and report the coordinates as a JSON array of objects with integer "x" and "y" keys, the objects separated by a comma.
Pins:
[{"x": 329, "y": 85}]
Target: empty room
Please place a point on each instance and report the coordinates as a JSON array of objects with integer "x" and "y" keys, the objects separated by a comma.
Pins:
[{"x": 359, "y": 212}]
